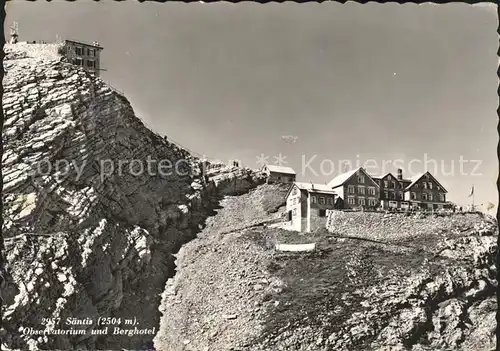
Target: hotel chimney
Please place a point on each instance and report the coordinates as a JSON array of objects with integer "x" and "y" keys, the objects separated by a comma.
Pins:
[{"x": 400, "y": 174}]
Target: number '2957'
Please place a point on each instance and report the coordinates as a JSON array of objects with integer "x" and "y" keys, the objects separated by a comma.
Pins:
[{"x": 52, "y": 320}]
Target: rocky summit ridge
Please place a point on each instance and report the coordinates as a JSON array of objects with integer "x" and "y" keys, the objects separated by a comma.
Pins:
[{"x": 85, "y": 238}]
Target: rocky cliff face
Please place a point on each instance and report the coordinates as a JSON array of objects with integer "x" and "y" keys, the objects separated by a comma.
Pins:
[{"x": 95, "y": 204}]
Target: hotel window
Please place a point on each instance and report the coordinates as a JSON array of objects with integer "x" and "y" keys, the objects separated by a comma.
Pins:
[
  {"x": 394, "y": 185},
  {"x": 351, "y": 201},
  {"x": 321, "y": 200},
  {"x": 313, "y": 199},
  {"x": 371, "y": 202},
  {"x": 425, "y": 185},
  {"x": 78, "y": 61},
  {"x": 79, "y": 51},
  {"x": 441, "y": 197},
  {"x": 371, "y": 191},
  {"x": 430, "y": 197},
  {"x": 361, "y": 190},
  {"x": 424, "y": 196},
  {"x": 321, "y": 213},
  {"x": 361, "y": 178},
  {"x": 400, "y": 196},
  {"x": 386, "y": 184},
  {"x": 91, "y": 63},
  {"x": 413, "y": 196},
  {"x": 361, "y": 201},
  {"x": 386, "y": 195},
  {"x": 329, "y": 201},
  {"x": 351, "y": 189}
]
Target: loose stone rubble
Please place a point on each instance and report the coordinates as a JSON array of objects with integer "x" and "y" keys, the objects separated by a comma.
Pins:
[{"x": 375, "y": 282}]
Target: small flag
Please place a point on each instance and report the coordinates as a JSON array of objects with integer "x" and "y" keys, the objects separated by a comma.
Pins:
[{"x": 471, "y": 191}]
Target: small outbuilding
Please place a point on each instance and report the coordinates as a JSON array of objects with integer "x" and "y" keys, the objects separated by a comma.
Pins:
[
  {"x": 279, "y": 174},
  {"x": 307, "y": 205}
]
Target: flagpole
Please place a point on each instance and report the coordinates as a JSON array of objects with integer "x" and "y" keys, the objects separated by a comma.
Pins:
[{"x": 472, "y": 197}]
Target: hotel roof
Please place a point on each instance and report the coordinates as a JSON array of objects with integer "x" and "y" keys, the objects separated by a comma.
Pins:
[
  {"x": 342, "y": 178},
  {"x": 312, "y": 187},
  {"x": 280, "y": 169}
]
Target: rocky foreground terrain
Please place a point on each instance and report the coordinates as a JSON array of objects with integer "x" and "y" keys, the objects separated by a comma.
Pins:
[
  {"x": 85, "y": 238},
  {"x": 375, "y": 282}
]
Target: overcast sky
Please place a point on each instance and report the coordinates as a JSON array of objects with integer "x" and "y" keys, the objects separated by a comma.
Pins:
[{"x": 352, "y": 82}]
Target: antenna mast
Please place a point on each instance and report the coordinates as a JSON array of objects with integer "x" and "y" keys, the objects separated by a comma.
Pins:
[{"x": 14, "y": 33}]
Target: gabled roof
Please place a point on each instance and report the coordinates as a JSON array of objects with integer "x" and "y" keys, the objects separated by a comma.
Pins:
[
  {"x": 315, "y": 188},
  {"x": 311, "y": 188},
  {"x": 83, "y": 43},
  {"x": 344, "y": 177},
  {"x": 381, "y": 176},
  {"x": 404, "y": 182},
  {"x": 280, "y": 169},
  {"x": 417, "y": 177},
  {"x": 414, "y": 179}
]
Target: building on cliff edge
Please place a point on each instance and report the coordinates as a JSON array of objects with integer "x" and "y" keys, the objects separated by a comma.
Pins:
[
  {"x": 87, "y": 56},
  {"x": 84, "y": 55}
]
